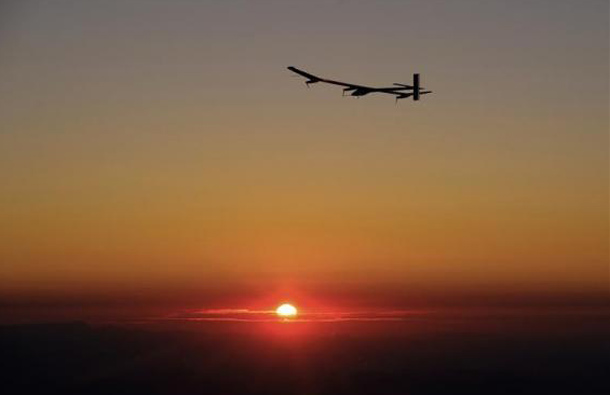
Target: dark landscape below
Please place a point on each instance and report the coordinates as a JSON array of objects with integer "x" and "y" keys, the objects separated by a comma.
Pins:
[{"x": 449, "y": 354}]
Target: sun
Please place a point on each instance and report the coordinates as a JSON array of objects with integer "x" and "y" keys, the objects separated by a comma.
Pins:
[{"x": 286, "y": 310}]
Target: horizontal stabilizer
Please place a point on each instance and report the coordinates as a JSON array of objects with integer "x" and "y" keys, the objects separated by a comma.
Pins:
[{"x": 404, "y": 85}]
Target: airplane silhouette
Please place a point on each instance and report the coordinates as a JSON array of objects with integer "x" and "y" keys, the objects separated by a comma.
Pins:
[{"x": 401, "y": 91}]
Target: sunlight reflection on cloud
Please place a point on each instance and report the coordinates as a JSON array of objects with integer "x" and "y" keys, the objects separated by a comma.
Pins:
[{"x": 247, "y": 315}]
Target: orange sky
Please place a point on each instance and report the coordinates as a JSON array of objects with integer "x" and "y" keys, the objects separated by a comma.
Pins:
[{"x": 156, "y": 147}]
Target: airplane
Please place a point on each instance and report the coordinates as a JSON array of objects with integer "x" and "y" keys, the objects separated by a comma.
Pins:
[{"x": 401, "y": 91}]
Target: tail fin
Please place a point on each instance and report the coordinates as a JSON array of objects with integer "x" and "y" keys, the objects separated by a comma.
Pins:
[{"x": 416, "y": 86}]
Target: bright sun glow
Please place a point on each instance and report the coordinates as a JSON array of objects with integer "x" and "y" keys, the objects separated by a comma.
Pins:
[{"x": 286, "y": 310}]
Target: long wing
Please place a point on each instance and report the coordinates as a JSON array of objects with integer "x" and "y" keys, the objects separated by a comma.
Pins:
[
  {"x": 304, "y": 74},
  {"x": 313, "y": 78}
]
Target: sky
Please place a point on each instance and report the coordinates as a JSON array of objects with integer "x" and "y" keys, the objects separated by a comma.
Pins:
[{"x": 161, "y": 150}]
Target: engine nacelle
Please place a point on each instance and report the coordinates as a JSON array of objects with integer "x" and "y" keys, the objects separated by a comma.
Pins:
[{"x": 360, "y": 92}]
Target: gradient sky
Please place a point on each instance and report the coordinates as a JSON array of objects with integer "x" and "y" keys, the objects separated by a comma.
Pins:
[{"x": 157, "y": 146}]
